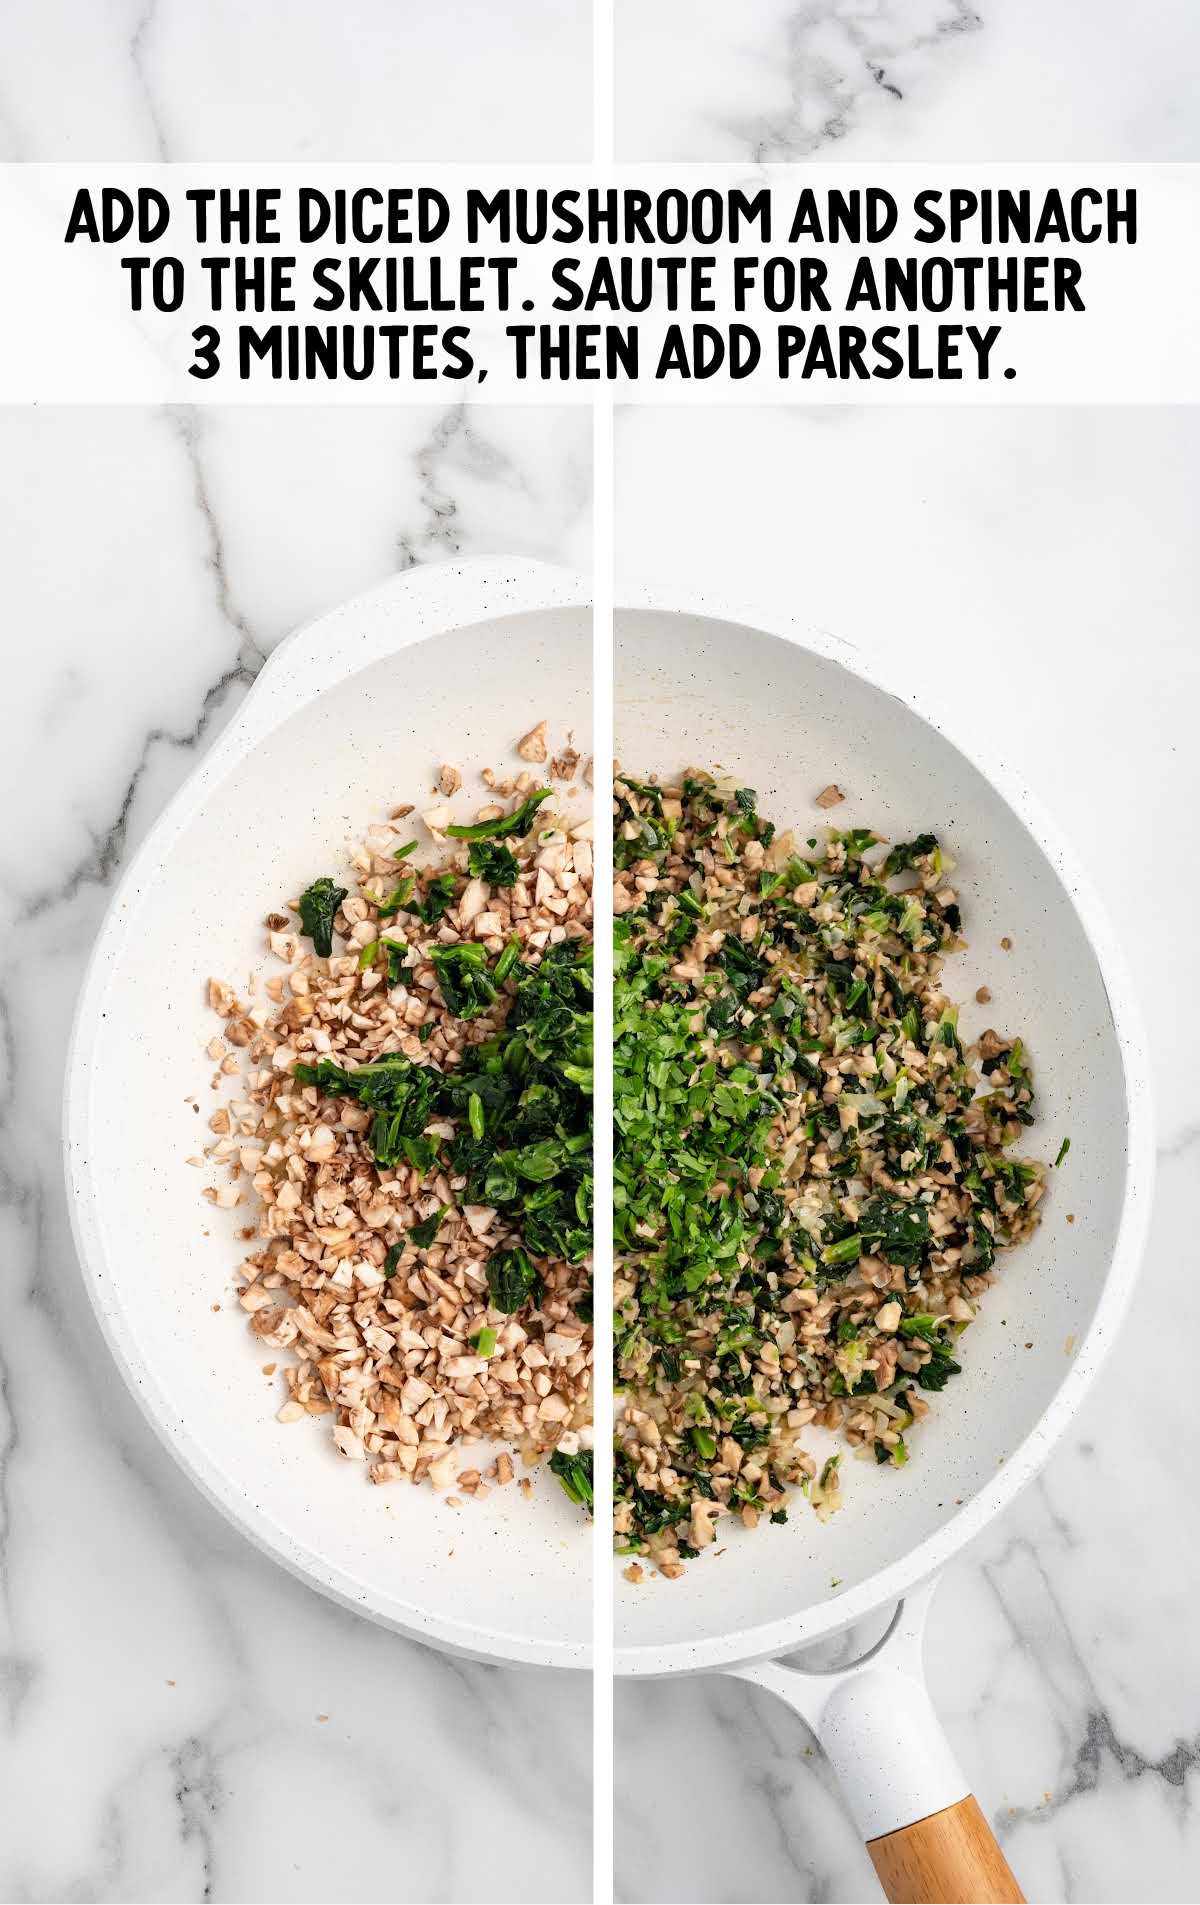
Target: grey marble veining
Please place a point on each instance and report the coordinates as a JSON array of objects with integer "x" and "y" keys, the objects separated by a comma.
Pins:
[
  {"x": 883, "y": 80},
  {"x": 297, "y": 80},
  {"x": 178, "y": 1718},
  {"x": 160, "y": 1683},
  {"x": 1040, "y": 564}
]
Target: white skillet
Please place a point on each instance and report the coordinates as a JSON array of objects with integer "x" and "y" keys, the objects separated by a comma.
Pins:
[
  {"x": 349, "y": 717},
  {"x": 789, "y": 710}
]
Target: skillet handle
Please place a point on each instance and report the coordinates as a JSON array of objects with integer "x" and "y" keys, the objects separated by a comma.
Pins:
[
  {"x": 951, "y": 1855},
  {"x": 928, "y": 1839}
]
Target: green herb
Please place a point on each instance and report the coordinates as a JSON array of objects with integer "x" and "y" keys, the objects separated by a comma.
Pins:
[
  {"x": 485, "y": 1342},
  {"x": 846, "y": 1250},
  {"x": 423, "y": 1234},
  {"x": 497, "y": 865},
  {"x": 462, "y": 972},
  {"x": 575, "y": 1475},
  {"x": 522, "y": 1105},
  {"x": 896, "y": 1229},
  {"x": 1063, "y": 1148},
  {"x": 318, "y": 904},
  {"x": 507, "y": 961},
  {"x": 857, "y": 841},
  {"x": 512, "y": 1280},
  {"x": 439, "y": 897},
  {"x": 401, "y": 1095},
  {"x": 645, "y": 790},
  {"x": 367, "y": 956},
  {"x": 518, "y": 822},
  {"x": 398, "y": 898},
  {"x": 518, "y": 1106},
  {"x": 926, "y": 1327},
  {"x": 906, "y": 855},
  {"x": 397, "y": 971},
  {"x": 937, "y": 1372},
  {"x": 789, "y": 1103}
]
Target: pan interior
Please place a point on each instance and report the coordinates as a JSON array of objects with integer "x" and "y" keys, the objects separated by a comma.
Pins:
[
  {"x": 695, "y": 691},
  {"x": 506, "y": 1576}
]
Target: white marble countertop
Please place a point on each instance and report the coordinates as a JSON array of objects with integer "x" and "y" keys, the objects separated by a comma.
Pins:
[
  {"x": 1068, "y": 1665},
  {"x": 1042, "y": 563},
  {"x": 878, "y": 80},
  {"x": 160, "y": 1681},
  {"x": 141, "y": 80}
]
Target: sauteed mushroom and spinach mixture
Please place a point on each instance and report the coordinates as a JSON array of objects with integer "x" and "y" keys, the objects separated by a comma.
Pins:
[{"x": 813, "y": 1173}]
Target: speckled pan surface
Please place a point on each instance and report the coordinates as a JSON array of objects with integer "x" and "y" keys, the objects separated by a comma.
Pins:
[
  {"x": 349, "y": 717},
  {"x": 787, "y": 713}
]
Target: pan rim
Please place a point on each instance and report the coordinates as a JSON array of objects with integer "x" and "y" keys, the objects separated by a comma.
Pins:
[
  {"x": 517, "y": 586},
  {"x": 740, "y": 1647}
]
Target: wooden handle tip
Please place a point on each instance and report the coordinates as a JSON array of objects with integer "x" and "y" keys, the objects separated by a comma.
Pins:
[{"x": 950, "y": 1858}]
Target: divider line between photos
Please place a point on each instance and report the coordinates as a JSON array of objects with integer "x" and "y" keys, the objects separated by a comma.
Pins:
[
  {"x": 603, "y": 101},
  {"x": 602, "y": 753}
]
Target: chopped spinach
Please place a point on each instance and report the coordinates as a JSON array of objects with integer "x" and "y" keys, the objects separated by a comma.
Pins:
[
  {"x": 938, "y": 1370},
  {"x": 318, "y": 904},
  {"x": 575, "y": 1473},
  {"x": 467, "y": 986},
  {"x": 397, "y": 969},
  {"x": 439, "y": 897},
  {"x": 896, "y": 1229},
  {"x": 497, "y": 865},
  {"x": 398, "y": 898},
  {"x": 512, "y": 1280},
  {"x": 518, "y": 822},
  {"x": 908, "y": 852},
  {"x": 521, "y": 1103},
  {"x": 423, "y": 1234}
]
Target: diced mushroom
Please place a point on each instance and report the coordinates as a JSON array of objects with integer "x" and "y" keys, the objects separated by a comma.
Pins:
[{"x": 532, "y": 746}]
